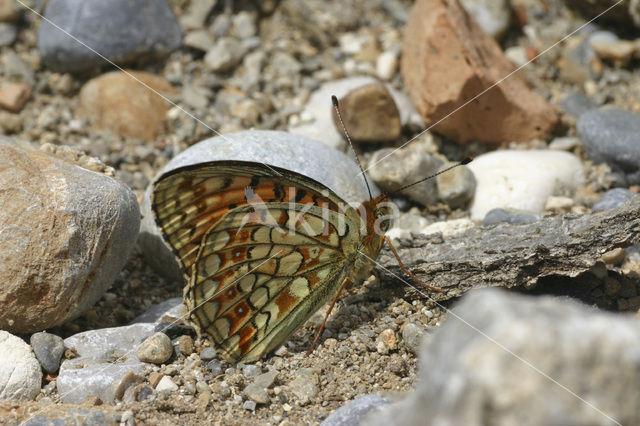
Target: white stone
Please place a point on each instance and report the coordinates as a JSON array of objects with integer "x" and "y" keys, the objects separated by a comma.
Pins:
[
  {"x": 20, "y": 372},
  {"x": 387, "y": 64},
  {"x": 521, "y": 179},
  {"x": 559, "y": 203},
  {"x": 166, "y": 384}
]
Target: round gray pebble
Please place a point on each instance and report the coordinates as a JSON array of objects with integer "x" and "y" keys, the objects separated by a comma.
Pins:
[
  {"x": 511, "y": 216},
  {"x": 208, "y": 354},
  {"x": 613, "y": 198},
  {"x": 156, "y": 349},
  {"x": 48, "y": 349}
]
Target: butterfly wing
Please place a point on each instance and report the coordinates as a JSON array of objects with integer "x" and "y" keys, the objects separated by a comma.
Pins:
[{"x": 261, "y": 249}]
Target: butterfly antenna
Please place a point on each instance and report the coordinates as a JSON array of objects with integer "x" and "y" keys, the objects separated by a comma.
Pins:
[
  {"x": 467, "y": 160},
  {"x": 334, "y": 101}
]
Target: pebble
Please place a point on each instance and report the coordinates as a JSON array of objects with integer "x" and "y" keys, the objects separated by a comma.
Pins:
[
  {"x": 48, "y": 349},
  {"x": 166, "y": 384},
  {"x": 613, "y": 198},
  {"x": 455, "y": 186},
  {"x": 154, "y": 378},
  {"x": 197, "y": 14},
  {"x": 185, "y": 345},
  {"x": 556, "y": 203},
  {"x": 412, "y": 336},
  {"x": 10, "y": 11},
  {"x": 251, "y": 370},
  {"x": 8, "y": 34},
  {"x": 208, "y": 354},
  {"x": 615, "y": 256},
  {"x": 225, "y": 54},
  {"x": 387, "y": 64},
  {"x": 391, "y": 169},
  {"x": 42, "y": 225},
  {"x": 120, "y": 386},
  {"x": 305, "y": 385},
  {"x": 317, "y": 115},
  {"x": 276, "y": 148},
  {"x": 522, "y": 323},
  {"x": 200, "y": 39},
  {"x": 612, "y": 136},
  {"x": 576, "y": 104},
  {"x": 156, "y": 349},
  {"x": 14, "y": 96},
  {"x": 20, "y": 374},
  {"x": 564, "y": 143},
  {"x": 215, "y": 367},
  {"x": 523, "y": 180},
  {"x": 117, "y": 102},
  {"x": 119, "y": 29},
  {"x": 249, "y": 405},
  {"x": 370, "y": 114},
  {"x": 355, "y": 412},
  {"x": 388, "y": 336},
  {"x": 493, "y": 16},
  {"x": 511, "y": 216}
]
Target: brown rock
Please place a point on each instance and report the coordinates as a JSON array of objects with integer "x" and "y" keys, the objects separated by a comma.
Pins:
[
  {"x": 9, "y": 11},
  {"x": 13, "y": 96},
  {"x": 119, "y": 103},
  {"x": 370, "y": 114},
  {"x": 448, "y": 60}
]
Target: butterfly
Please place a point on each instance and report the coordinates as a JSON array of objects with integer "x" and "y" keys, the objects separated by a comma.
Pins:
[{"x": 262, "y": 248}]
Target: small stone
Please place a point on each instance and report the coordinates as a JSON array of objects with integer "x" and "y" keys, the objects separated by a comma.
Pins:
[
  {"x": 119, "y": 387},
  {"x": 613, "y": 198},
  {"x": 199, "y": 39},
  {"x": 145, "y": 393},
  {"x": 455, "y": 186},
  {"x": 382, "y": 348},
  {"x": 225, "y": 54},
  {"x": 251, "y": 370},
  {"x": 370, "y": 114},
  {"x": 154, "y": 378},
  {"x": 166, "y": 384},
  {"x": 564, "y": 143},
  {"x": 208, "y": 354},
  {"x": 398, "y": 366},
  {"x": 512, "y": 216},
  {"x": 8, "y": 33},
  {"x": 305, "y": 385},
  {"x": 185, "y": 345},
  {"x": 615, "y": 256},
  {"x": 620, "y": 52},
  {"x": 156, "y": 349},
  {"x": 355, "y": 412},
  {"x": 13, "y": 96},
  {"x": 91, "y": 401},
  {"x": 392, "y": 169},
  {"x": 612, "y": 136},
  {"x": 256, "y": 393},
  {"x": 576, "y": 104},
  {"x": 10, "y": 123},
  {"x": 559, "y": 203},
  {"x": 215, "y": 367},
  {"x": 493, "y": 16},
  {"x": 20, "y": 373},
  {"x": 48, "y": 349},
  {"x": 10, "y": 11},
  {"x": 388, "y": 336},
  {"x": 412, "y": 336},
  {"x": 249, "y": 405},
  {"x": 387, "y": 64}
]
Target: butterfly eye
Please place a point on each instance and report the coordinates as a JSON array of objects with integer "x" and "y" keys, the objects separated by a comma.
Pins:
[{"x": 383, "y": 219}]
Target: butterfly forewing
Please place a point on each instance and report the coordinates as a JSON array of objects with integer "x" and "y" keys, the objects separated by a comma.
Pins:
[{"x": 261, "y": 251}]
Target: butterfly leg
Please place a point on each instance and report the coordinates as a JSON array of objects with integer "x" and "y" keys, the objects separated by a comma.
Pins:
[
  {"x": 407, "y": 271},
  {"x": 326, "y": 317}
]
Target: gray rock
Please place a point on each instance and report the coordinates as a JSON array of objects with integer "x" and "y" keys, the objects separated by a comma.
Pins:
[
  {"x": 215, "y": 366},
  {"x": 249, "y": 405},
  {"x": 576, "y": 104},
  {"x": 251, "y": 370},
  {"x": 493, "y": 16},
  {"x": 257, "y": 390},
  {"x": 208, "y": 354},
  {"x": 170, "y": 307},
  {"x": 547, "y": 361},
  {"x": 156, "y": 349},
  {"x": 53, "y": 414},
  {"x": 455, "y": 186},
  {"x": 354, "y": 412},
  {"x": 412, "y": 336},
  {"x": 512, "y": 216},
  {"x": 121, "y": 30},
  {"x": 392, "y": 169},
  {"x": 20, "y": 373},
  {"x": 612, "y": 136},
  {"x": 8, "y": 33},
  {"x": 225, "y": 54},
  {"x": 280, "y": 149},
  {"x": 305, "y": 385},
  {"x": 104, "y": 356},
  {"x": 48, "y": 349},
  {"x": 61, "y": 225},
  {"x": 613, "y": 198}
]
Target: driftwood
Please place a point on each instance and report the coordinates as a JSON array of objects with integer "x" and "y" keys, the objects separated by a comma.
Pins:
[{"x": 506, "y": 255}]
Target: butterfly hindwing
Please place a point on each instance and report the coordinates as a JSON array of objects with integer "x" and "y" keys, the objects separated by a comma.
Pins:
[{"x": 262, "y": 250}]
